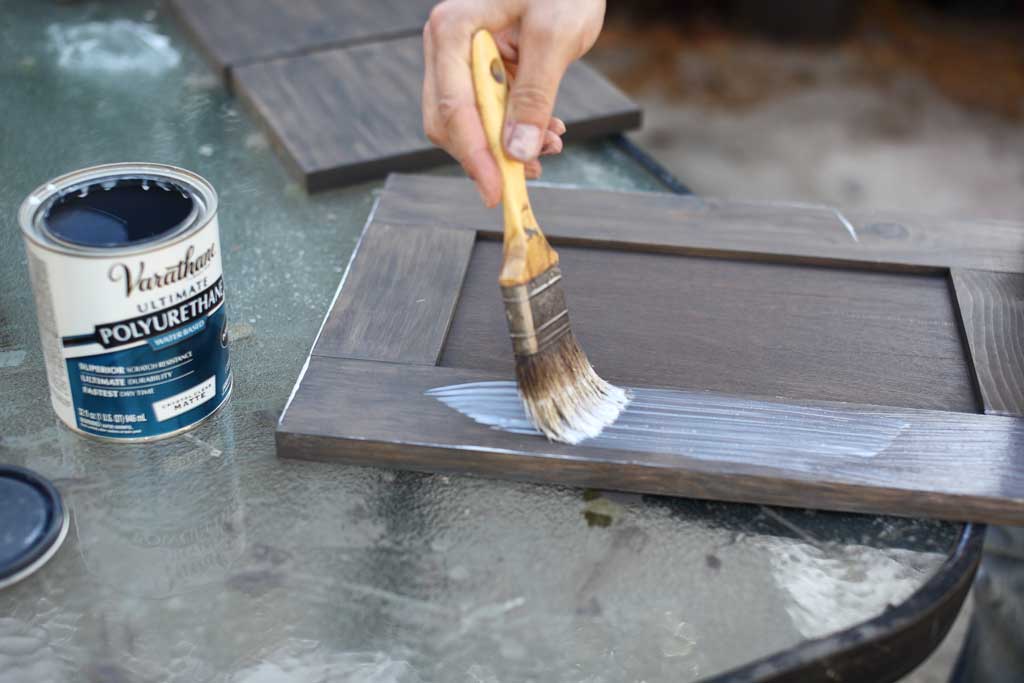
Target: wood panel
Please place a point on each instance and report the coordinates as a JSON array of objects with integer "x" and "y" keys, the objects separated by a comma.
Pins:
[
  {"x": 992, "y": 309},
  {"x": 652, "y": 309},
  {"x": 695, "y": 225},
  {"x": 399, "y": 295},
  {"x": 344, "y": 115},
  {"x": 234, "y": 32},
  {"x": 937, "y": 464},
  {"x": 771, "y": 329}
]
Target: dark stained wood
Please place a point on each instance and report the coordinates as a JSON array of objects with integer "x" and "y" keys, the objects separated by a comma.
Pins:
[
  {"x": 945, "y": 465},
  {"x": 769, "y": 329},
  {"x": 344, "y": 115},
  {"x": 735, "y": 229},
  {"x": 234, "y": 32},
  {"x": 398, "y": 296},
  {"x": 651, "y": 314},
  {"x": 992, "y": 309}
]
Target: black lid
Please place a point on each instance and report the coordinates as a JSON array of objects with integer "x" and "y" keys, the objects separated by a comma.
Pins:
[{"x": 31, "y": 520}]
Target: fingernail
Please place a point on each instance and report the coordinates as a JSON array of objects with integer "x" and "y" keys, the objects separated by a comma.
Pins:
[
  {"x": 483, "y": 197},
  {"x": 522, "y": 141}
]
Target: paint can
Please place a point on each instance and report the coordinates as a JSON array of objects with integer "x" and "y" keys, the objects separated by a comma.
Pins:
[{"x": 125, "y": 264}]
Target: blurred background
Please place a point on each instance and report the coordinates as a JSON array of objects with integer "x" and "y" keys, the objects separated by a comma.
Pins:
[
  {"x": 896, "y": 104},
  {"x": 912, "y": 104}
]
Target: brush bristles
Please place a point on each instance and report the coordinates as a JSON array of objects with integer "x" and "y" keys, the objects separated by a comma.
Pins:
[{"x": 564, "y": 398}]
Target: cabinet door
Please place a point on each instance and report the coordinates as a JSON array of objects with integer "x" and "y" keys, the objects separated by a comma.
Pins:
[{"x": 776, "y": 354}]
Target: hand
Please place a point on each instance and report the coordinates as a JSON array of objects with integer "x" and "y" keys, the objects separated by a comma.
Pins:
[{"x": 537, "y": 39}]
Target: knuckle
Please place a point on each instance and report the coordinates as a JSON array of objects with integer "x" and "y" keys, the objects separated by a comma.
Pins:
[
  {"x": 447, "y": 108},
  {"x": 444, "y": 18},
  {"x": 438, "y": 13},
  {"x": 532, "y": 97}
]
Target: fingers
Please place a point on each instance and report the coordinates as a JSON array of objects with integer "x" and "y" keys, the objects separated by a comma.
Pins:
[
  {"x": 552, "y": 144},
  {"x": 428, "y": 103},
  {"x": 507, "y": 41},
  {"x": 450, "y": 116},
  {"x": 543, "y": 59},
  {"x": 468, "y": 144}
]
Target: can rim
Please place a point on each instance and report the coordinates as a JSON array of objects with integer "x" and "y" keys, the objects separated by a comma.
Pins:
[{"x": 203, "y": 193}]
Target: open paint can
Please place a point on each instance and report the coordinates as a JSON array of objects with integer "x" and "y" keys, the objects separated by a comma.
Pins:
[{"x": 125, "y": 263}]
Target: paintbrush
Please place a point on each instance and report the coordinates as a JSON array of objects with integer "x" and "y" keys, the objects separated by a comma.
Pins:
[{"x": 564, "y": 398}]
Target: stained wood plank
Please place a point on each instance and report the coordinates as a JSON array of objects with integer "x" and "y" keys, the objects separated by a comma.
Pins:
[
  {"x": 343, "y": 115},
  {"x": 398, "y": 296},
  {"x": 233, "y": 32},
  {"x": 936, "y": 464},
  {"x": 647, "y": 312},
  {"x": 694, "y": 225},
  {"x": 802, "y": 332},
  {"x": 992, "y": 309}
]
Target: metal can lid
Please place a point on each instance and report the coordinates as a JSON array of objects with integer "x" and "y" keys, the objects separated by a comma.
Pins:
[{"x": 33, "y": 523}]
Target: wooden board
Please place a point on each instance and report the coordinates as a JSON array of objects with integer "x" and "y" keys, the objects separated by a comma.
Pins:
[
  {"x": 992, "y": 305},
  {"x": 843, "y": 356},
  {"x": 234, "y": 32},
  {"x": 824, "y": 333},
  {"x": 946, "y": 465},
  {"x": 349, "y": 114},
  {"x": 686, "y": 224},
  {"x": 400, "y": 296}
]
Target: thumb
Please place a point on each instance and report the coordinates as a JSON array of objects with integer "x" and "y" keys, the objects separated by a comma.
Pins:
[{"x": 532, "y": 97}]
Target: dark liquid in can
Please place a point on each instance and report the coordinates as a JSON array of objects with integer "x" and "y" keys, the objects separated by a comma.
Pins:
[{"x": 130, "y": 211}]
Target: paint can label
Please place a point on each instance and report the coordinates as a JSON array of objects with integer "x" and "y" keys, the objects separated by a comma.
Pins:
[{"x": 135, "y": 340}]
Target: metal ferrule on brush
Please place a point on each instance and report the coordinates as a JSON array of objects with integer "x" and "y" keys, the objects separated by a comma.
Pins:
[{"x": 536, "y": 312}]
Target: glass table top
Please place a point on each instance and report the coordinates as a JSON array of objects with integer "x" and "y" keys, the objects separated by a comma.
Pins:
[{"x": 205, "y": 558}]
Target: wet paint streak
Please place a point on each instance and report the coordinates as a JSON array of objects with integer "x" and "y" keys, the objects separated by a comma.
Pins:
[{"x": 696, "y": 424}]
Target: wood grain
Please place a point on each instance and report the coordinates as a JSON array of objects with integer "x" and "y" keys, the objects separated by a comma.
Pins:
[
  {"x": 650, "y": 312},
  {"x": 802, "y": 332},
  {"x": 399, "y": 295},
  {"x": 992, "y": 310},
  {"x": 234, "y": 32},
  {"x": 945, "y": 465},
  {"x": 751, "y": 230},
  {"x": 344, "y": 115}
]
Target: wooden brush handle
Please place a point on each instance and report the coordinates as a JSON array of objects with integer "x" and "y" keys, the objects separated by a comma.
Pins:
[{"x": 527, "y": 253}]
